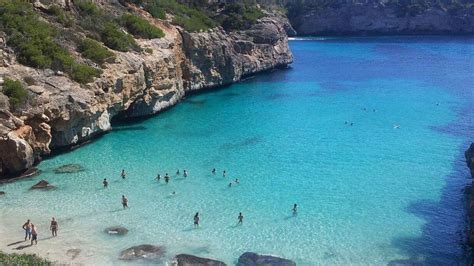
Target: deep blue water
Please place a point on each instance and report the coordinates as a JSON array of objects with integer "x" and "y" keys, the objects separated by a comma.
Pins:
[{"x": 388, "y": 188}]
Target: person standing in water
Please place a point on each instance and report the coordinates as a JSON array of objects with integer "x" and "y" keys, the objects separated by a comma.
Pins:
[
  {"x": 237, "y": 181},
  {"x": 124, "y": 202},
  {"x": 240, "y": 218},
  {"x": 158, "y": 177},
  {"x": 196, "y": 220},
  {"x": 167, "y": 178},
  {"x": 295, "y": 209},
  {"x": 105, "y": 183},
  {"x": 224, "y": 173},
  {"x": 213, "y": 171},
  {"x": 177, "y": 172},
  {"x": 27, "y": 227},
  {"x": 54, "y": 227},
  {"x": 185, "y": 173},
  {"x": 34, "y": 233},
  {"x": 123, "y": 174}
]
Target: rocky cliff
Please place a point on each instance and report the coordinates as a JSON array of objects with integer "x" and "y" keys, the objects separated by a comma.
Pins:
[
  {"x": 383, "y": 18},
  {"x": 61, "y": 112}
]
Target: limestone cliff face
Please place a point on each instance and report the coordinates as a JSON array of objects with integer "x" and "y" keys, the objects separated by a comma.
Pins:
[
  {"x": 376, "y": 19},
  {"x": 62, "y": 113}
]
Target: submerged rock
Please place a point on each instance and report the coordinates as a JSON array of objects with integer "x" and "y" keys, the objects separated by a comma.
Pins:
[
  {"x": 190, "y": 260},
  {"x": 43, "y": 184},
  {"x": 2, "y": 193},
  {"x": 254, "y": 259},
  {"x": 69, "y": 169},
  {"x": 73, "y": 253},
  {"x": 116, "y": 230},
  {"x": 147, "y": 252}
]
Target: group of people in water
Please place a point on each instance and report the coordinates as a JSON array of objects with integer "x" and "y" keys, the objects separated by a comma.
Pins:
[{"x": 31, "y": 231}]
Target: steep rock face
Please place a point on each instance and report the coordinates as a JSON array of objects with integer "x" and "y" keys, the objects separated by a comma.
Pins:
[
  {"x": 63, "y": 113},
  {"x": 378, "y": 19},
  {"x": 217, "y": 58}
]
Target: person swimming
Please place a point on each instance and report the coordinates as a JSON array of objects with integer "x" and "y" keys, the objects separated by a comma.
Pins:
[
  {"x": 196, "y": 220},
  {"x": 124, "y": 202},
  {"x": 240, "y": 219},
  {"x": 352, "y": 124},
  {"x": 158, "y": 177},
  {"x": 123, "y": 174},
  {"x": 237, "y": 181},
  {"x": 185, "y": 173},
  {"x": 106, "y": 184},
  {"x": 167, "y": 178},
  {"x": 177, "y": 172},
  {"x": 230, "y": 184},
  {"x": 295, "y": 209},
  {"x": 213, "y": 171},
  {"x": 224, "y": 173}
]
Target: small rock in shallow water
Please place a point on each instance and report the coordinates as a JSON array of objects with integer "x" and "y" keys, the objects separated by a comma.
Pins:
[
  {"x": 147, "y": 252},
  {"x": 2, "y": 193},
  {"x": 68, "y": 169},
  {"x": 73, "y": 253},
  {"x": 190, "y": 260},
  {"x": 116, "y": 230},
  {"x": 254, "y": 259},
  {"x": 43, "y": 184}
]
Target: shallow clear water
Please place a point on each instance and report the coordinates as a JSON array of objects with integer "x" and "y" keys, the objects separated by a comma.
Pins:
[{"x": 367, "y": 194}]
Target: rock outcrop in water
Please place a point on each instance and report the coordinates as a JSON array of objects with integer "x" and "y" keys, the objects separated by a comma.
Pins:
[
  {"x": 145, "y": 252},
  {"x": 469, "y": 154},
  {"x": 383, "y": 17},
  {"x": 190, "y": 260},
  {"x": 62, "y": 113},
  {"x": 254, "y": 259}
]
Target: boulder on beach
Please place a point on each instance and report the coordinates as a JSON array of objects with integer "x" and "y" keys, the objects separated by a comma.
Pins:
[
  {"x": 43, "y": 184},
  {"x": 254, "y": 259},
  {"x": 147, "y": 252},
  {"x": 69, "y": 169},
  {"x": 190, "y": 260},
  {"x": 116, "y": 230}
]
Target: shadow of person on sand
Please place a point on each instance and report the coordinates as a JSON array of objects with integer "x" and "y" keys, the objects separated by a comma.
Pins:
[
  {"x": 23, "y": 247},
  {"x": 15, "y": 243}
]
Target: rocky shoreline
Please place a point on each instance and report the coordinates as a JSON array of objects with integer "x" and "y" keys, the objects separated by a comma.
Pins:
[
  {"x": 469, "y": 154},
  {"x": 63, "y": 113}
]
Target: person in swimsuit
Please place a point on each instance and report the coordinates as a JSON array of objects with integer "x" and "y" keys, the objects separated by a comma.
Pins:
[
  {"x": 196, "y": 220},
  {"x": 213, "y": 171},
  {"x": 224, "y": 173},
  {"x": 240, "y": 218},
  {"x": 185, "y": 173},
  {"x": 123, "y": 175},
  {"x": 54, "y": 227},
  {"x": 230, "y": 184},
  {"x": 158, "y": 177},
  {"x": 34, "y": 233},
  {"x": 295, "y": 209},
  {"x": 124, "y": 202},
  {"x": 237, "y": 181},
  {"x": 27, "y": 227},
  {"x": 177, "y": 172},
  {"x": 105, "y": 183},
  {"x": 167, "y": 178}
]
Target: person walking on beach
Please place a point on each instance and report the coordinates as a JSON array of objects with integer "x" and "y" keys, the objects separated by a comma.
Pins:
[
  {"x": 295, "y": 209},
  {"x": 167, "y": 178},
  {"x": 240, "y": 218},
  {"x": 34, "y": 233},
  {"x": 54, "y": 227},
  {"x": 105, "y": 183},
  {"x": 124, "y": 202},
  {"x": 196, "y": 220},
  {"x": 185, "y": 173},
  {"x": 123, "y": 174},
  {"x": 27, "y": 227},
  {"x": 213, "y": 171}
]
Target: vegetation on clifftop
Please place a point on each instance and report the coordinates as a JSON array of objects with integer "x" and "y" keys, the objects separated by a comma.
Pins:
[
  {"x": 22, "y": 259},
  {"x": 15, "y": 92}
]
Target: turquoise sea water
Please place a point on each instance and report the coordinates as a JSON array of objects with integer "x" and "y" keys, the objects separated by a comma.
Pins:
[{"x": 368, "y": 194}]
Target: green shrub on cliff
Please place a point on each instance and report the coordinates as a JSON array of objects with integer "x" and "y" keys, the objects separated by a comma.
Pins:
[
  {"x": 94, "y": 51},
  {"x": 22, "y": 259},
  {"x": 34, "y": 40},
  {"x": 15, "y": 92},
  {"x": 140, "y": 27},
  {"x": 116, "y": 39},
  {"x": 61, "y": 16}
]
